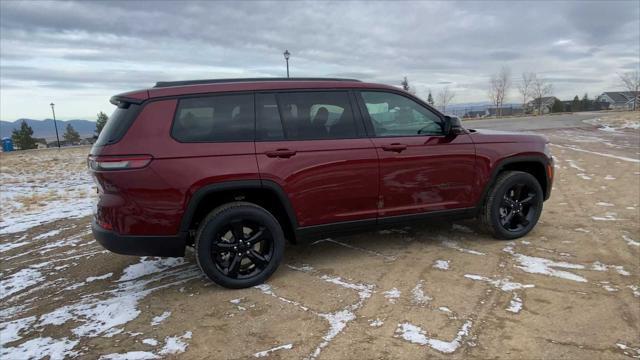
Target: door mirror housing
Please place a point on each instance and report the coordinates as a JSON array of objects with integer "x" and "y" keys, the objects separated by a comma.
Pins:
[{"x": 453, "y": 125}]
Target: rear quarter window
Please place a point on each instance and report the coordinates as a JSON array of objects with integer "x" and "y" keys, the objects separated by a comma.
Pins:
[
  {"x": 117, "y": 125},
  {"x": 214, "y": 119}
]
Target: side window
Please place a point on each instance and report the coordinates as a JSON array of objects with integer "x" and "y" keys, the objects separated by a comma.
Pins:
[
  {"x": 317, "y": 115},
  {"x": 214, "y": 118},
  {"x": 396, "y": 115},
  {"x": 269, "y": 125}
]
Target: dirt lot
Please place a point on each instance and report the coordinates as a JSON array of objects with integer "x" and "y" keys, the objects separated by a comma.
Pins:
[{"x": 570, "y": 289}]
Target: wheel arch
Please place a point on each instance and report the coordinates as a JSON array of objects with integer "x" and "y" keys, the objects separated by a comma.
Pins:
[
  {"x": 535, "y": 165},
  {"x": 264, "y": 193}
]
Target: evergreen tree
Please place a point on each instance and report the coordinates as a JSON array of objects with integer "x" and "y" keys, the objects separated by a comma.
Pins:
[
  {"x": 430, "y": 99},
  {"x": 101, "y": 122},
  {"x": 585, "y": 103},
  {"x": 71, "y": 135},
  {"x": 575, "y": 106},
  {"x": 557, "y": 106},
  {"x": 23, "y": 138},
  {"x": 405, "y": 84}
]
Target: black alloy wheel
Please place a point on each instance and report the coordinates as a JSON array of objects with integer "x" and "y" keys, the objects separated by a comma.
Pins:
[{"x": 239, "y": 245}]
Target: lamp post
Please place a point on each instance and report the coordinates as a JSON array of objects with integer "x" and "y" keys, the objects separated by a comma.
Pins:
[
  {"x": 286, "y": 58},
  {"x": 54, "y": 124}
]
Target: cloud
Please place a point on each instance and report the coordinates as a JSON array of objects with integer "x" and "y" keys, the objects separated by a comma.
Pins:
[{"x": 63, "y": 48}]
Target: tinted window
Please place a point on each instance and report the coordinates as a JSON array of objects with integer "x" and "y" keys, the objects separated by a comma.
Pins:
[
  {"x": 214, "y": 118},
  {"x": 117, "y": 125},
  {"x": 269, "y": 124},
  {"x": 317, "y": 115},
  {"x": 396, "y": 115}
]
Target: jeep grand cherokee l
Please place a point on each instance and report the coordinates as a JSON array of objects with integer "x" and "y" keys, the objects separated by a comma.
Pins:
[{"x": 234, "y": 167}]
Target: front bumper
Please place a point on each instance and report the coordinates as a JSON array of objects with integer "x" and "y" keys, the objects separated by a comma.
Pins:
[{"x": 155, "y": 245}]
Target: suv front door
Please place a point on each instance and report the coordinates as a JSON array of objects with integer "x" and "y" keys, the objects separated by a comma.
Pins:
[
  {"x": 421, "y": 169},
  {"x": 313, "y": 146}
]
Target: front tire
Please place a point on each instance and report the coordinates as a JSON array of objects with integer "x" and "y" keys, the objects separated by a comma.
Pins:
[
  {"x": 513, "y": 206},
  {"x": 239, "y": 245}
]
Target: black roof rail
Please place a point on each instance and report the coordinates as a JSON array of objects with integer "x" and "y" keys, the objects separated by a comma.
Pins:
[{"x": 161, "y": 84}]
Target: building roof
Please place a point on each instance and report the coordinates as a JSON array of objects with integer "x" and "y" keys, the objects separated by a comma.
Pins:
[
  {"x": 621, "y": 97},
  {"x": 547, "y": 100}
]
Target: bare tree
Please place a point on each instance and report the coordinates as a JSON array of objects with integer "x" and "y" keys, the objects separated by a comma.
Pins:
[
  {"x": 499, "y": 87},
  {"x": 524, "y": 88},
  {"x": 539, "y": 89},
  {"x": 444, "y": 98},
  {"x": 631, "y": 81}
]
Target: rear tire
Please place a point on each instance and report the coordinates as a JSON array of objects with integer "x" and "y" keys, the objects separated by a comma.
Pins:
[
  {"x": 513, "y": 205},
  {"x": 239, "y": 245}
]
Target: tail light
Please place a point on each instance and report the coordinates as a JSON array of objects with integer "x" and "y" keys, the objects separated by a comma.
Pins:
[{"x": 125, "y": 162}]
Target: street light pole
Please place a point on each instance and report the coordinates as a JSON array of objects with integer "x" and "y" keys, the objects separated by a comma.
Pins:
[
  {"x": 286, "y": 58},
  {"x": 54, "y": 124}
]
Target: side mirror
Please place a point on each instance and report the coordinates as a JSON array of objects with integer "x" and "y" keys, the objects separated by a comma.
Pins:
[{"x": 453, "y": 125}]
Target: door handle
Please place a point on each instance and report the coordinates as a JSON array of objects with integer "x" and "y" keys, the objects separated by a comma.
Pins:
[
  {"x": 394, "y": 147},
  {"x": 280, "y": 153}
]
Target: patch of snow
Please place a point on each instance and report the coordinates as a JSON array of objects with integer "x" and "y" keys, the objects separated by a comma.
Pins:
[
  {"x": 392, "y": 295},
  {"x": 441, "y": 264},
  {"x": 267, "y": 352},
  {"x": 39, "y": 348},
  {"x": 11, "y": 330},
  {"x": 416, "y": 335},
  {"x": 148, "y": 266},
  {"x": 131, "y": 355},
  {"x": 502, "y": 284},
  {"x": 48, "y": 234},
  {"x": 376, "y": 323},
  {"x": 419, "y": 297},
  {"x": 633, "y": 352},
  {"x": 9, "y": 246},
  {"x": 630, "y": 241},
  {"x": 157, "y": 320},
  {"x": 598, "y": 266},
  {"x": 236, "y": 301},
  {"x": 610, "y": 216},
  {"x": 623, "y": 158},
  {"x": 18, "y": 281},
  {"x": 445, "y": 309},
  {"x": 582, "y": 230},
  {"x": 609, "y": 177},
  {"x": 635, "y": 289},
  {"x": 101, "y": 277},
  {"x": 574, "y": 165},
  {"x": 515, "y": 305},
  {"x": 175, "y": 344},
  {"x": 537, "y": 265},
  {"x": 604, "y": 204},
  {"x": 150, "y": 341},
  {"x": 584, "y": 176},
  {"x": 454, "y": 245}
]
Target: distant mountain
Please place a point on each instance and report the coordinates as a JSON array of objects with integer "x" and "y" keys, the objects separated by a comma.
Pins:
[{"x": 45, "y": 129}]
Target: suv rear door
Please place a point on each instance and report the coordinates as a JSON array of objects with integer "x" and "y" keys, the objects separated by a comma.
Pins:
[
  {"x": 421, "y": 169},
  {"x": 314, "y": 146}
]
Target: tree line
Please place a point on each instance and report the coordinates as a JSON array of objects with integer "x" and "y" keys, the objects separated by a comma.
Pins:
[
  {"x": 532, "y": 88},
  {"x": 24, "y": 140}
]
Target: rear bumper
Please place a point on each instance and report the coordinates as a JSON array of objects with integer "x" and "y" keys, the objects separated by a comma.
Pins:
[{"x": 169, "y": 246}]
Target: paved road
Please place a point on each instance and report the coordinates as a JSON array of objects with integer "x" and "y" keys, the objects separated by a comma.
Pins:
[{"x": 533, "y": 122}]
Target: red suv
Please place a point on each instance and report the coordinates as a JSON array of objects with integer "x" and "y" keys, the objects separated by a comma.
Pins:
[{"x": 234, "y": 167}]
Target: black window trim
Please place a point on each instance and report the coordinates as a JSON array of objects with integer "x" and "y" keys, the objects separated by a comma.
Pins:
[
  {"x": 367, "y": 118},
  {"x": 209, "y": 95}
]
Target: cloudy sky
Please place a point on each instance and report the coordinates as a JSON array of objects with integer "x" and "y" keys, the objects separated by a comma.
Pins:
[{"x": 78, "y": 54}]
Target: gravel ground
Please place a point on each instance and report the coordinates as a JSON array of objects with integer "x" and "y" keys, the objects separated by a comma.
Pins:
[{"x": 570, "y": 289}]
